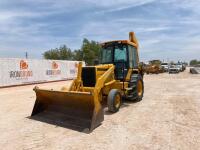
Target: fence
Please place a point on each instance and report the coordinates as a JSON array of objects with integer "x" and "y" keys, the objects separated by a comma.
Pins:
[{"x": 15, "y": 71}]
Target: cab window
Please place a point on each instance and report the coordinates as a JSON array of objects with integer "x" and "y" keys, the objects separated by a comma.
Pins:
[
  {"x": 133, "y": 57},
  {"x": 120, "y": 53},
  {"x": 106, "y": 55}
]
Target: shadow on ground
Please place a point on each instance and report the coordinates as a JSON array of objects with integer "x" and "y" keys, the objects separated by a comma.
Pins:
[{"x": 78, "y": 124}]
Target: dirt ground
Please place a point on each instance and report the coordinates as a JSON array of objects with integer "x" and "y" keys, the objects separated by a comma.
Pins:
[{"x": 168, "y": 117}]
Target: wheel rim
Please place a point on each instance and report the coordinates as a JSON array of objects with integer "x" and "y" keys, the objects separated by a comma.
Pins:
[
  {"x": 117, "y": 101},
  {"x": 140, "y": 88}
]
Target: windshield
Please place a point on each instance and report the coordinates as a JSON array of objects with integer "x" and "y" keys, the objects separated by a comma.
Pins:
[{"x": 120, "y": 53}]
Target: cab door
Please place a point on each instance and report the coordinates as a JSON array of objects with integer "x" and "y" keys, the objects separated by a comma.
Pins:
[{"x": 121, "y": 61}]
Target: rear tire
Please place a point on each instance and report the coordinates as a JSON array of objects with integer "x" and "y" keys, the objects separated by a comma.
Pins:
[
  {"x": 137, "y": 85},
  {"x": 114, "y": 100}
]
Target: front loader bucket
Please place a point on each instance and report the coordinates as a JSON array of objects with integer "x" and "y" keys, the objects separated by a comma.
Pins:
[{"x": 75, "y": 110}]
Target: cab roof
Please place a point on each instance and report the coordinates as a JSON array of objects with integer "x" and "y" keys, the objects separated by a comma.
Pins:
[{"x": 120, "y": 41}]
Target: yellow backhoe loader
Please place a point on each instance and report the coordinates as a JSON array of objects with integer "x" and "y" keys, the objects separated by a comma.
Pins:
[{"x": 117, "y": 77}]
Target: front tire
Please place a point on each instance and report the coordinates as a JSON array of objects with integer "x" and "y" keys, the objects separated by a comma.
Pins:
[{"x": 114, "y": 100}]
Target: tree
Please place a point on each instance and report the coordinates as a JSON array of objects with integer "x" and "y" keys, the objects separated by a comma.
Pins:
[
  {"x": 62, "y": 53},
  {"x": 51, "y": 54},
  {"x": 78, "y": 55},
  {"x": 194, "y": 62},
  {"x": 90, "y": 50}
]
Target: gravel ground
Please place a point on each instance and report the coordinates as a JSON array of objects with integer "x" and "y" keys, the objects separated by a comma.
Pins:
[{"x": 168, "y": 117}]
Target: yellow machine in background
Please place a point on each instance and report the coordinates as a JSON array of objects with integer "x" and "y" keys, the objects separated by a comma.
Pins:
[
  {"x": 80, "y": 105},
  {"x": 154, "y": 69}
]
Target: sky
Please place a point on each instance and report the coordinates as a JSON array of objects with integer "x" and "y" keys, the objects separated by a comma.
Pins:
[{"x": 165, "y": 29}]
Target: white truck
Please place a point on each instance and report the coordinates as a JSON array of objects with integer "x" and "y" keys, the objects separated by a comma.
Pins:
[
  {"x": 180, "y": 67},
  {"x": 165, "y": 66}
]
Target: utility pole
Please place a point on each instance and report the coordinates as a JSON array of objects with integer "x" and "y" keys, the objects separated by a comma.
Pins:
[{"x": 26, "y": 55}]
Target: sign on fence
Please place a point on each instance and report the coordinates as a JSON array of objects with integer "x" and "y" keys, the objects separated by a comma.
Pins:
[{"x": 14, "y": 71}]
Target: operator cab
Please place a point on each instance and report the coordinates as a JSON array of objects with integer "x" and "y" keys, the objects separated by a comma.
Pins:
[{"x": 122, "y": 54}]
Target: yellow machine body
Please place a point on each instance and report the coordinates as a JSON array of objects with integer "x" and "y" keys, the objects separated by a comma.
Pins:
[{"x": 79, "y": 105}]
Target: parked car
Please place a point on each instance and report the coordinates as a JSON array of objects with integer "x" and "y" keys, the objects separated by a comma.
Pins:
[
  {"x": 165, "y": 66},
  {"x": 180, "y": 67},
  {"x": 174, "y": 69}
]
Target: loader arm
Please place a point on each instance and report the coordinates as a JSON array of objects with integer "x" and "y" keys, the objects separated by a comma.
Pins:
[
  {"x": 77, "y": 84},
  {"x": 109, "y": 74}
]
